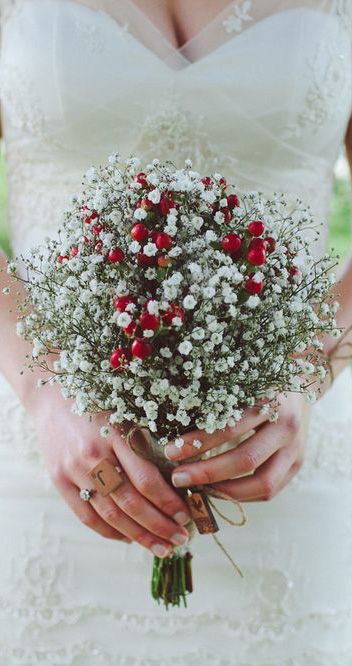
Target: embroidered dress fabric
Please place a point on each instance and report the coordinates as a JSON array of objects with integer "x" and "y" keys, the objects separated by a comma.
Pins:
[{"x": 263, "y": 94}]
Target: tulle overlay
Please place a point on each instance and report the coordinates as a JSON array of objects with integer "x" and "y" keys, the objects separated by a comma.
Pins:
[{"x": 263, "y": 93}]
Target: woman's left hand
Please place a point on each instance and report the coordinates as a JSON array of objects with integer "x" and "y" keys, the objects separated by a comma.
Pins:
[{"x": 265, "y": 461}]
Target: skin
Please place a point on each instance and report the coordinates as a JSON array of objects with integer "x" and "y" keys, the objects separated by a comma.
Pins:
[{"x": 142, "y": 509}]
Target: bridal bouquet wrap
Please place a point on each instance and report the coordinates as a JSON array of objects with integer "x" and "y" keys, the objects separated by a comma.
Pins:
[{"x": 173, "y": 304}]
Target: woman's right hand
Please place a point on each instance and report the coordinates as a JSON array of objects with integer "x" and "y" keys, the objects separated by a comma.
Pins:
[{"x": 145, "y": 508}]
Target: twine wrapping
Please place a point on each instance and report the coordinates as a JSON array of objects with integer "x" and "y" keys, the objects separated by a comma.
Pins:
[{"x": 154, "y": 453}]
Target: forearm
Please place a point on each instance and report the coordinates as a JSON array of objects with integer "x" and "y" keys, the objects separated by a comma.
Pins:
[
  {"x": 13, "y": 349},
  {"x": 339, "y": 351}
]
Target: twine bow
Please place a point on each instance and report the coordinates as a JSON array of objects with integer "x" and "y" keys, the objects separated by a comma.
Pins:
[{"x": 152, "y": 451}]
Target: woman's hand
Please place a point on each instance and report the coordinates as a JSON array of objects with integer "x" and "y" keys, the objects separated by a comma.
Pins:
[
  {"x": 265, "y": 461},
  {"x": 145, "y": 508}
]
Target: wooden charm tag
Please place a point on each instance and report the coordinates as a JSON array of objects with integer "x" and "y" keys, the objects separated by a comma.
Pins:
[
  {"x": 201, "y": 512},
  {"x": 105, "y": 476}
]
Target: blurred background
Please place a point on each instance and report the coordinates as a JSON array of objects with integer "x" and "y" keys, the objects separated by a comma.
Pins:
[{"x": 340, "y": 222}]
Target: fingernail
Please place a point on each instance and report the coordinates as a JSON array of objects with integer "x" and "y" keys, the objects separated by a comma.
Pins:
[
  {"x": 181, "y": 479},
  {"x": 179, "y": 539},
  {"x": 159, "y": 550},
  {"x": 182, "y": 518},
  {"x": 171, "y": 451}
]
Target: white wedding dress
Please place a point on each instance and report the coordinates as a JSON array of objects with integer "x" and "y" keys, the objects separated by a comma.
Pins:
[{"x": 263, "y": 94}]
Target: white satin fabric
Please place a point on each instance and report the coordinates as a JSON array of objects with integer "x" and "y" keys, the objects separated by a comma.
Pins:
[{"x": 262, "y": 93}]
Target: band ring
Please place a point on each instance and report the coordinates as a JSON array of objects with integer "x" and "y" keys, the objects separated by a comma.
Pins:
[{"x": 106, "y": 477}]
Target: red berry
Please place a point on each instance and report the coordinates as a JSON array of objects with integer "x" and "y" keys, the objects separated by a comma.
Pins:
[
  {"x": 130, "y": 329},
  {"x": 98, "y": 247},
  {"x": 254, "y": 287},
  {"x": 270, "y": 244},
  {"x": 96, "y": 229},
  {"x": 74, "y": 251},
  {"x": 257, "y": 243},
  {"x": 256, "y": 228},
  {"x": 256, "y": 256},
  {"x": 145, "y": 203},
  {"x": 145, "y": 261},
  {"x": 116, "y": 255},
  {"x": 295, "y": 273},
  {"x": 231, "y": 242},
  {"x": 93, "y": 216},
  {"x": 141, "y": 348},
  {"x": 164, "y": 261},
  {"x": 163, "y": 241},
  {"x": 85, "y": 240},
  {"x": 139, "y": 232},
  {"x": 61, "y": 257},
  {"x": 206, "y": 181},
  {"x": 173, "y": 311},
  {"x": 149, "y": 321},
  {"x": 121, "y": 302},
  {"x": 141, "y": 179},
  {"x": 233, "y": 201},
  {"x": 222, "y": 182},
  {"x": 227, "y": 214},
  {"x": 165, "y": 204},
  {"x": 119, "y": 358}
]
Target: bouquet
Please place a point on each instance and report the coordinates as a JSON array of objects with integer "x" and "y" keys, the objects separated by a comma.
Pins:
[{"x": 172, "y": 303}]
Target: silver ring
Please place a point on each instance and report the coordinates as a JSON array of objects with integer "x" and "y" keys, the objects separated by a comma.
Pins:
[{"x": 86, "y": 494}]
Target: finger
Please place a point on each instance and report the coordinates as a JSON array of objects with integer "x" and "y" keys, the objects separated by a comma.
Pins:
[
  {"x": 148, "y": 480},
  {"x": 244, "y": 459},
  {"x": 250, "y": 420},
  {"x": 266, "y": 481},
  {"x": 135, "y": 505},
  {"x": 86, "y": 513},
  {"x": 115, "y": 517}
]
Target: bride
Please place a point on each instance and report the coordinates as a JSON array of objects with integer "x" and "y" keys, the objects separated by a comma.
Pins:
[{"x": 259, "y": 90}]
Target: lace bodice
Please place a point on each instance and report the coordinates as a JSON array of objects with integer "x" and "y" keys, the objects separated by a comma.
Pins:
[{"x": 271, "y": 118}]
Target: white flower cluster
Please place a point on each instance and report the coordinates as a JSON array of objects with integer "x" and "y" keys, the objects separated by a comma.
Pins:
[{"x": 172, "y": 303}]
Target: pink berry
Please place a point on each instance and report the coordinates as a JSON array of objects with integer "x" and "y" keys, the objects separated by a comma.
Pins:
[
  {"x": 231, "y": 242},
  {"x": 256, "y": 228}
]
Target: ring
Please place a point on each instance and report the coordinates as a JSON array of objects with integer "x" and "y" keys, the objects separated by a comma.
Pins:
[
  {"x": 106, "y": 477},
  {"x": 86, "y": 494}
]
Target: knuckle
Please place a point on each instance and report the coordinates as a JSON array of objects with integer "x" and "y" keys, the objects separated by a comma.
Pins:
[
  {"x": 57, "y": 475},
  {"x": 268, "y": 488},
  {"x": 297, "y": 465},
  {"x": 170, "y": 506},
  {"x": 90, "y": 449},
  {"x": 203, "y": 475},
  {"x": 143, "y": 539},
  {"x": 145, "y": 481},
  {"x": 249, "y": 461},
  {"x": 109, "y": 514},
  {"x": 129, "y": 503},
  {"x": 291, "y": 423},
  {"x": 86, "y": 518}
]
